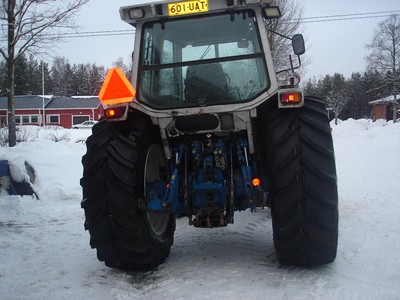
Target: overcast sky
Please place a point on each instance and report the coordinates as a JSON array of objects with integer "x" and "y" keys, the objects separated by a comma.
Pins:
[{"x": 332, "y": 46}]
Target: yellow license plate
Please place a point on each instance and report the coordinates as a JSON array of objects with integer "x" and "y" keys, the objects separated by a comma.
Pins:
[{"x": 187, "y": 7}]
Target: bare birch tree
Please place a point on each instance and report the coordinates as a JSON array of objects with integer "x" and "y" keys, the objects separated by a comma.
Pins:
[
  {"x": 339, "y": 95},
  {"x": 31, "y": 26},
  {"x": 337, "y": 100},
  {"x": 385, "y": 55}
]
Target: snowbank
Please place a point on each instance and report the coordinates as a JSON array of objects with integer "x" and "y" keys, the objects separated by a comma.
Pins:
[
  {"x": 56, "y": 164},
  {"x": 45, "y": 251}
]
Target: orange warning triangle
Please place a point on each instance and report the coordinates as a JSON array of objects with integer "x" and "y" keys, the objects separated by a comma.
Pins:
[{"x": 116, "y": 88}]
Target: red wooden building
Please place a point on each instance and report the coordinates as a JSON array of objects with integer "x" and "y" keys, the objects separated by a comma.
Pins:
[
  {"x": 382, "y": 109},
  {"x": 60, "y": 111}
]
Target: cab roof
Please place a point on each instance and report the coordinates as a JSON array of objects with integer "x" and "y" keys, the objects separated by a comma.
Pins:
[{"x": 169, "y": 9}]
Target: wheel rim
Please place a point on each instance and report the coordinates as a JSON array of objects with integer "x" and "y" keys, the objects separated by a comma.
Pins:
[{"x": 155, "y": 162}]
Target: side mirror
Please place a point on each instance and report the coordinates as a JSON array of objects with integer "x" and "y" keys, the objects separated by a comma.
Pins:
[{"x": 298, "y": 44}]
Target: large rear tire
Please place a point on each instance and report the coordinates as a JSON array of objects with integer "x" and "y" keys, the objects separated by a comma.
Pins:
[
  {"x": 121, "y": 157},
  {"x": 304, "y": 198}
]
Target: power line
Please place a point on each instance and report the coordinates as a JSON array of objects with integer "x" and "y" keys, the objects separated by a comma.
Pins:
[
  {"x": 315, "y": 19},
  {"x": 354, "y": 14},
  {"x": 84, "y": 34},
  {"x": 93, "y": 33},
  {"x": 344, "y": 19},
  {"x": 81, "y": 35}
]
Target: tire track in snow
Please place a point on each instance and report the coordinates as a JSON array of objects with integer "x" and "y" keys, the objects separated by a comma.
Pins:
[{"x": 199, "y": 253}]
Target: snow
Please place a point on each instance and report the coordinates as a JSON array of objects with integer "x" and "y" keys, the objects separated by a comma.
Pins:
[
  {"x": 385, "y": 100},
  {"x": 45, "y": 252},
  {"x": 83, "y": 97}
]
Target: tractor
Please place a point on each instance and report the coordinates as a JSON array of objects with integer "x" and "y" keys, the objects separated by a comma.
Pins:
[{"x": 204, "y": 129}]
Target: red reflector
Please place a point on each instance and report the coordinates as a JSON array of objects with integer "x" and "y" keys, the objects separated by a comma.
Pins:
[
  {"x": 114, "y": 112},
  {"x": 256, "y": 182},
  {"x": 291, "y": 98}
]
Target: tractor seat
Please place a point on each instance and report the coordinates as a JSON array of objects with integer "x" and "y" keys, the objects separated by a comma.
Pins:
[{"x": 206, "y": 82}]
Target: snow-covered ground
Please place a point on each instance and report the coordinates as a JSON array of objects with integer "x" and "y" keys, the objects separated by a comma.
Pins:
[{"x": 45, "y": 253}]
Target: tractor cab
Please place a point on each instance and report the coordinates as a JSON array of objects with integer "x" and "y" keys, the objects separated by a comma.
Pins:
[{"x": 193, "y": 55}]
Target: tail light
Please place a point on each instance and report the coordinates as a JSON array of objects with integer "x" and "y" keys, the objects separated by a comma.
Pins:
[
  {"x": 115, "y": 112},
  {"x": 292, "y": 97},
  {"x": 256, "y": 182}
]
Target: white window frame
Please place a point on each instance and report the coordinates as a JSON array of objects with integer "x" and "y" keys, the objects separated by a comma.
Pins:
[
  {"x": 79, "y": 116},
  {"x": 28, "y": 117},
  {"x": 37, "y": 119},
  {"x": 25, "y": 118},
  {"x": 48, "y": 117}
]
